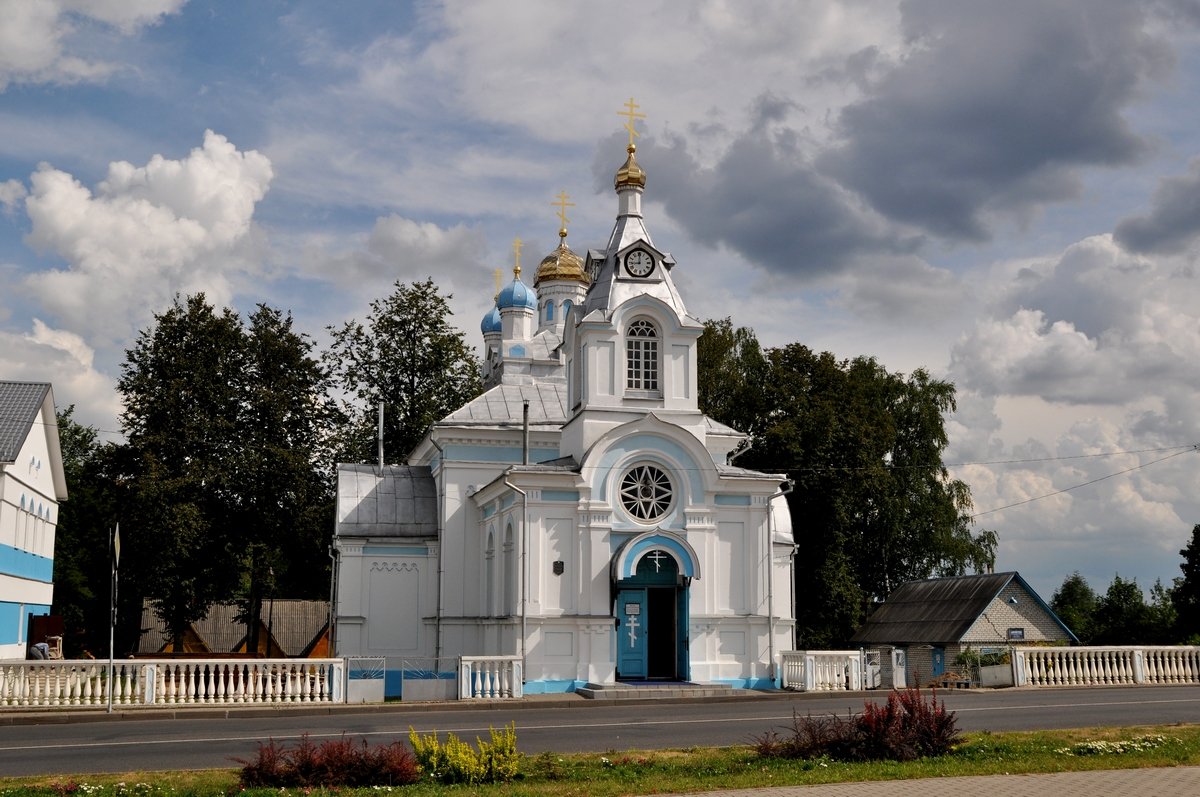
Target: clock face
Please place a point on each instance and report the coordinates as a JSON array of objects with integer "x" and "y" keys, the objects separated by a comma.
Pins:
[{"x": 639, "y": 263}]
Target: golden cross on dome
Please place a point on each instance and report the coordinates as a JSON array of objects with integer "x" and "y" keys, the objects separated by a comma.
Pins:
[
  {"x": 499, "y": 275},
  {"x": 562, "y": 200},
  {"x": 517, "y": 255},
  {"x": 632, "y": 115}
]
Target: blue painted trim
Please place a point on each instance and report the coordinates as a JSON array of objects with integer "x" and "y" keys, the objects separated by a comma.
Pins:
[
  {"x": 23, "y": 564},
  {"x": 560, "y": 495},
  {"x": 489, "y": 510},
  {"x": 506, "y": 454},
  {"x": 645, "y": 446},
  {"x": 508, "y": 500},
  {"x": 729, "y": 499},
  {"x": 14, "y": 620},
  {"x": 394, "y": 550},
  {"x": 678, "y": 550},
  {"x": 551, "y": 687},
  {"x": 393, "y": 680}
]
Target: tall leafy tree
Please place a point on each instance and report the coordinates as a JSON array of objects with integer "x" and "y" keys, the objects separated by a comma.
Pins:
[
  {"x": 1122, "y": 616},
  {"x": 873, "y": 505},
  {"x": 227, "y": 461},
  {"x": 285, "y": 501},
  {"x": 81, "y": 562},
  {"x": 408, "y": 357},
  {"x": 1185, "y": 595},
  {"x": 1075, "y": 604},
  {"x": 184, "y": 389}
]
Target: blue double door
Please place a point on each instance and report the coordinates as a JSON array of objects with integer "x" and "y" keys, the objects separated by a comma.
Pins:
[{"x": 651, "y": 611}]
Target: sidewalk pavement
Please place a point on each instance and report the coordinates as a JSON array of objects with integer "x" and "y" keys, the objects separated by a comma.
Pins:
[{"x": 1099, "y": 783}]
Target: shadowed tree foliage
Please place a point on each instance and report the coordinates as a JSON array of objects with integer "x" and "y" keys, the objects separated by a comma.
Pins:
[
  {"x": 1122, "y": 616},
  {"x": 1185, "y": 595},
  {"x": 225, "y": 461},
  {"x": 408, "y": 356},
  {"x": 873, "y": 505},
  {"x": 85, "y": 521},
  {"x": 1075, "y": 604}
]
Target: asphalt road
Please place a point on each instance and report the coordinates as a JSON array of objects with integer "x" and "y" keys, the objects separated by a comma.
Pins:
[{"x": 96, "y": 743}]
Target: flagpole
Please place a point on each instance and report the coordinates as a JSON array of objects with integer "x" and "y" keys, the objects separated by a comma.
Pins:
[{"x": 114, "y": 550}]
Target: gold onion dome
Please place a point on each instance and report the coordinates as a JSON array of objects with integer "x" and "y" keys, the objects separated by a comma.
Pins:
[
  {"x": 631, "y": 173},
  {"x": 561, "y": 264}
]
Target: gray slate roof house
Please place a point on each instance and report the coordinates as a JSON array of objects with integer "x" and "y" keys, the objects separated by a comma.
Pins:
[{"x": 932, "y": 621}]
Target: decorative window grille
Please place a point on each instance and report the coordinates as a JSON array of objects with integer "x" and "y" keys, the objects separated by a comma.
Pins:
[{"x": 646, "y": 493}]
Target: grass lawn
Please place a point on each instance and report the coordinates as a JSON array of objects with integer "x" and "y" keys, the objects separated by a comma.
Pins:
[{"x": 692, "y": 770}]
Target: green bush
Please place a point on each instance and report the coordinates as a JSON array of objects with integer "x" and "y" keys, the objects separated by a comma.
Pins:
[{"x": 456, "y": 761}]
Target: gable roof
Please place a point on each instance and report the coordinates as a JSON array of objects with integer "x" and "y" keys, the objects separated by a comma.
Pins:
[
  {"x": 19, "y": 405},
  {"x": 294, "y": 625},
  {"x": 939, "y": 610},
  {"x": 502, "y": 406}
]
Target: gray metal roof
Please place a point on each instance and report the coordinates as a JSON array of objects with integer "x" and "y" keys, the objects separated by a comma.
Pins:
[
  {"x": 935, "y": 611},
  {"x": 502, "y": 405},
  {"x": 19, "y": 405},
  {"x": 393, "y": 501}
]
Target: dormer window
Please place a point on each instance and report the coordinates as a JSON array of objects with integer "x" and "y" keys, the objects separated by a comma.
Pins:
[{"x": 641, "y": 356}]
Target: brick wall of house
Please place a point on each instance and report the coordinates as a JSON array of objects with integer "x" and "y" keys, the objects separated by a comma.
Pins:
[{"x": 992, "y": 626}]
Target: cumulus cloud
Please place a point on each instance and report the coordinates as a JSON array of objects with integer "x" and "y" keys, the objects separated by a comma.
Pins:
[
  {"x": 994, "y": 108},
  {"x": 11, "y": 194},
  {"x": 35, "y": 37},
  {"x": 64, "y": 359},
  {"x": 145, "y": 233},
  {"x": 1096, "y": 326},
  {"x": 1173, "y": 222}
]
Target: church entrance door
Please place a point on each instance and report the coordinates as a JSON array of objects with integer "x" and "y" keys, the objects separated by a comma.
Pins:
[{"x": 652, "y": 622}]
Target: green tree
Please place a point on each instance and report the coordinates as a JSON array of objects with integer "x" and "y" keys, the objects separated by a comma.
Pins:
[
  {"x": 1163, "y": 621},
  {"x": 873, "y": 503},
  {"x": 285, "y": 500},
  {"x": 85, "y": 521},
  {"x": 1185, "y": 596},
  {"x": 184, "y": 389},
  {"x": 1075, "y": 604},
  {"x": 1122, "y": 616},
  {"x": 228, "y": 462},
  {"x": 408, "y": 357}
]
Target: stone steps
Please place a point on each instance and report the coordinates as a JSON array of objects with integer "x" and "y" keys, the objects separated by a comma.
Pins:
[{"x": 652, "y": 690}]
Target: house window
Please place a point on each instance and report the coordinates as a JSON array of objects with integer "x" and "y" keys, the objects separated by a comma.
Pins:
[{"x": 641, "y": 356}]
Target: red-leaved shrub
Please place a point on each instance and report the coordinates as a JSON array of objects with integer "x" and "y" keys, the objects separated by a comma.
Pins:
[
  {"x": 334, "y": 762},
  {"x": 905, "y": 727}
]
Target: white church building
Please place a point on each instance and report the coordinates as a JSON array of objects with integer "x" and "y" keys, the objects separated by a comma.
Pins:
[{"x": 581, "y": 513}]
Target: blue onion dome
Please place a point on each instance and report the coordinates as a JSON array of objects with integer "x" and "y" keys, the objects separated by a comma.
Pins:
[
  {"x": 491, "y": 322},
  {"x": 517, "y": 294}
]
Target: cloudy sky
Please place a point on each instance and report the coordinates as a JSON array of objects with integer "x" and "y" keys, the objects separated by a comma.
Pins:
[{"x": 1007, "y": 194}]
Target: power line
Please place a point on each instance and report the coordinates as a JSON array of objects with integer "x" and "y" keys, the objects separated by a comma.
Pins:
[{"x": 1085, "y": 484}]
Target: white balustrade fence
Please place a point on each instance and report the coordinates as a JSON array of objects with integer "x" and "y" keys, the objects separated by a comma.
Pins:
[
  {"x": 171, "y": 682},
  {"x": 490, "y": 677},
  {"x": 822, "y": 670},
  {"x": 1102, "y": 666}
]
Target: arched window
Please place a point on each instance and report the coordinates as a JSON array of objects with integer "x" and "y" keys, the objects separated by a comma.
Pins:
[
  {"x": 549, "y": 311},
  {"x": 489, "y": 579},
  {"x": 641, "y": 356}
]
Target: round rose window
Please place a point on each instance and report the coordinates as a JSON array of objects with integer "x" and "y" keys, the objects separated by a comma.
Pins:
[{"x": 646, "y": 493}]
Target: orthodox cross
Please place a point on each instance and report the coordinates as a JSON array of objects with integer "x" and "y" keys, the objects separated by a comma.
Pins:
[
  {"x": 563, "y": 202},
  {"x": 632, "y": 115},
  {"x": 517, "y": 255},
  {"x": 499, "y": 276},
  {"x": 656, "y": 557},
  {"x": 632, "y": 622}
]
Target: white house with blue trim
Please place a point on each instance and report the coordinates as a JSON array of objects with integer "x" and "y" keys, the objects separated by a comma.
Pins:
[
  {"x": 32, "y": 483},
  {"x": 581, "y": 513}
]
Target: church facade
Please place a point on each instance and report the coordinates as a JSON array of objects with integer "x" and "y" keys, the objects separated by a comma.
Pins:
[{"x": 581, "y": 513}]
